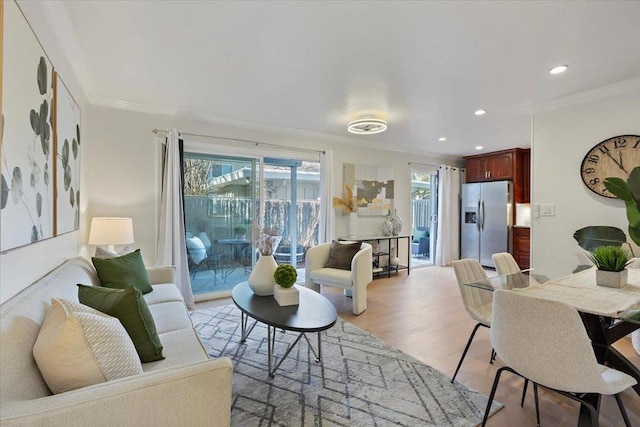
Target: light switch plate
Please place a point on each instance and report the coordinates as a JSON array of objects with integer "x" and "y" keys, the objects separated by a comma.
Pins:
[{"x": 548, "y": 209}]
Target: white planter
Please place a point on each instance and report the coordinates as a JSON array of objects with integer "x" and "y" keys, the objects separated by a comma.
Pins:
[
  {"x": 611, "y": 279},
  {"x": 353, "y": 225},
  {"x": 261, "y": 279},
  {"x": 286, "y": 296}
]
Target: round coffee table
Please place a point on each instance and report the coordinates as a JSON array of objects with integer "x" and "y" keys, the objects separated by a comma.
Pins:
[{"x": 315, "y": 313}]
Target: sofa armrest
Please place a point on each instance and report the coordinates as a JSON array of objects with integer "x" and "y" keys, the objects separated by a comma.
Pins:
[
  {"x": 191, "y": 394},
  {"x": 162, "y": 274}
]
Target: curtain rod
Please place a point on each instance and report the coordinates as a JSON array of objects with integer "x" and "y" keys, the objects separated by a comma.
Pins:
[
  {"x": 256, "y": 143},
  {"x": 423, "y": 164}
]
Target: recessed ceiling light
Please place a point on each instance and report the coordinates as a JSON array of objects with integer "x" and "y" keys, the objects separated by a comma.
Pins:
[
  {"x": 367, "y": 126},
  {"x": 479, "y": 147},
  {"x": 442, "y": 139},
  {"x": 480, "y": 112},
  {"x": 559, "y": 69}
]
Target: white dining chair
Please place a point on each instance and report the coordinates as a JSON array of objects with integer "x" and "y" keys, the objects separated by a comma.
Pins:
[
  {"x": 506, "y": 265},
  {"x": 546, "y": 342},
  {"x": 476, "y": 301}
]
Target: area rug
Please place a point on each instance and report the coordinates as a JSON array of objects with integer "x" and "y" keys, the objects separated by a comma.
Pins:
[{"x": 361, "y": 381}]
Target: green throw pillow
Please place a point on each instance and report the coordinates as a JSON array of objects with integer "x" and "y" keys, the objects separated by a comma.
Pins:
[
  {"x": 131, "y": 309},
  {"x": 341, "y": 254},
  {"x": 123, "y": 272}
]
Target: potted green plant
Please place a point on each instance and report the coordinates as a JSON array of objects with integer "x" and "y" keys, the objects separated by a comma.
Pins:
[
  {"x": 629, "y": 192},
  {"x": 610, "y": 262},
  {"x": 240, "y": 231},
  {"x": 284, "y": 292}
]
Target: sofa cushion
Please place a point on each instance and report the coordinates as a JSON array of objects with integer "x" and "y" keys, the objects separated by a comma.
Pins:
[
  {"x": 341, "y": 254},
  {"x": 78, "y": 346},
  {"x": 333, "y": 277},
  {"x": 123, "y": 272},
  {"x": 170, "y": 316},
  {"x": 181, "y": 346},
  {"x": 104, "y": 253},
  {"x": 129, "y": 306},
  {"x": 163, "y": 292}
]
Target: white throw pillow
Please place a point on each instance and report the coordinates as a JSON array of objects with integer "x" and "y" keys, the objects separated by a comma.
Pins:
[
  {"x": 196, "y": 249},
  {"x": 103, "y": 253},
  {"x": 78, "y": 346}
]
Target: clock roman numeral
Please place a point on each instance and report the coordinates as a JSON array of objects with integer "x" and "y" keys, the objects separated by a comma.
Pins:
[{"x": 620, "y": 143}]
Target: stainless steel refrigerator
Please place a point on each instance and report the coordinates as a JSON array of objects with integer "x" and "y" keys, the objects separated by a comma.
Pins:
[{"x": 485, "y": 220}]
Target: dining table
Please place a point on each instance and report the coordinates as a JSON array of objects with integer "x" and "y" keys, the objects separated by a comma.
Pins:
[{"x": 608, "y": 314}]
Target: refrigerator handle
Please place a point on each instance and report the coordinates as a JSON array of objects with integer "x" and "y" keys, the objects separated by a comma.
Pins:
[
  {"x": 479, "y": 217},
  {"x": 482, "y": 216}
]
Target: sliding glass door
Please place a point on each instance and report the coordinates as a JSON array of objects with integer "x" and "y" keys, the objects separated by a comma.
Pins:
[
  {"x": 424, "y": 208},
  {"x": 220, "y": 203},
  {"x": 223, "y": 196},
  {"x": 292, "y": 206}
]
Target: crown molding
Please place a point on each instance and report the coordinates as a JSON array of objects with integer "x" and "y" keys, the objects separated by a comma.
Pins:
[
  {"x": 133, "y": 106},
  {"x": 589, "y": 95},
  {"x": 56, "y": 13}
]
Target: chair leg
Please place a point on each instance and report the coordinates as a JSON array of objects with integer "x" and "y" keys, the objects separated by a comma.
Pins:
[
  {"x": 622, "y": 410},
  {"x": 524, "y": 391},
  {"x": 492, "y": 395},
  {"x": 464, "y": 353},
  {"x": 535, "y": 395}
]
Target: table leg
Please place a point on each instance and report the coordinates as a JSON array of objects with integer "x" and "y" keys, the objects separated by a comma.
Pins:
[
  {"x": 270, "y": 344},
  {"x": 244, "y": 321},
  {"x": 319, "y": 348}
]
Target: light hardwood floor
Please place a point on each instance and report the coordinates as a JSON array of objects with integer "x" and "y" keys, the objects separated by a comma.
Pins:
[{"x": 422, "y": 314}]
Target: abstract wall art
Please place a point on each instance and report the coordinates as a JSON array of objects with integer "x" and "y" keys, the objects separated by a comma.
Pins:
[
  {"x": 67, "y": 143},
  {"x": 26, "y": 192},
  {"x": 372, "y": 187}
]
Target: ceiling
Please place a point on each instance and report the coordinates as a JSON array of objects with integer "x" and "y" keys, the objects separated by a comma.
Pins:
[{"x": 424, "y": 67}]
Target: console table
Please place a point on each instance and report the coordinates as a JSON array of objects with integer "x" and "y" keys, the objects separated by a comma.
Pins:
[{"x": 386, "y": 270}]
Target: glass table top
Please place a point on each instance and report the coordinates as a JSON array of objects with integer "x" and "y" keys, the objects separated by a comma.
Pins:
[{"x": 578, "y": 289}]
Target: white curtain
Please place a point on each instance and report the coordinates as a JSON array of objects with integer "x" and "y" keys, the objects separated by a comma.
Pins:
[
  {"x": 172, "y": 249},
  {"x": 448, "y": 246},
  {"x": 327, "y": 213}
]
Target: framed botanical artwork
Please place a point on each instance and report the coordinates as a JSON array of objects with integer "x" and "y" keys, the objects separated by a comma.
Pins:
[
  {"x": 67, "y": 163},
  {"x": 26, "y": 191}
]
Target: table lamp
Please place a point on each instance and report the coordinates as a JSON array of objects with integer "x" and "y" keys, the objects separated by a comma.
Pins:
[{"x": 111, "y": 231}]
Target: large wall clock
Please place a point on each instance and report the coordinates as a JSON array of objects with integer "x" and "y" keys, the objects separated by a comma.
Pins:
[{"x": 616, "y": 156}]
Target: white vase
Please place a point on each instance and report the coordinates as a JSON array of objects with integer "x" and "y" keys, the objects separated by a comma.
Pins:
[
  {"x": 261, "y": 279},
  {"x": 387, "y": 227},
  {"x": 353, "y": 225},
  {"x": 396, "y": 221}
]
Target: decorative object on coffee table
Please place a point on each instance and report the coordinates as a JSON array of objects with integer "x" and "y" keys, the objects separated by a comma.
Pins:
[
  {"x": 284, "y": 292},
  {"x": 261, "y": 279}
]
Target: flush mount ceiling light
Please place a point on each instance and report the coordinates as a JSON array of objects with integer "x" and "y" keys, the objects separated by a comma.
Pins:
[
  {"x": 559, "y": 69},
  {"x": 442, "y": 139},
  {"x": 480, "y": 112},
  {"x": 367, "y": 126},
  {"x": 479, "y": 147}
]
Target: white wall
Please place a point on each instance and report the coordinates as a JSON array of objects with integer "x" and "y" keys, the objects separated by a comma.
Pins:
[
  {"x": 22, "y": 266},
  {"x": 123, "y": 166},
  {"x": 561, "y": 138}
]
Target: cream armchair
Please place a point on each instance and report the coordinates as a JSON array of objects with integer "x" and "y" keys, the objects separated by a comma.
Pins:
[{"x": 353, "y": 281}]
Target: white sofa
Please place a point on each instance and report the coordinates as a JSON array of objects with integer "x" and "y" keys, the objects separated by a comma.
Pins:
[
  {"x": 354, "y": 281},
  {"x": 186, "y": 388}
]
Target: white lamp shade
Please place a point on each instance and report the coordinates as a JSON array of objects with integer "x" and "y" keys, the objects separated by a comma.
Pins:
[{"x": 111, "y": 231}]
